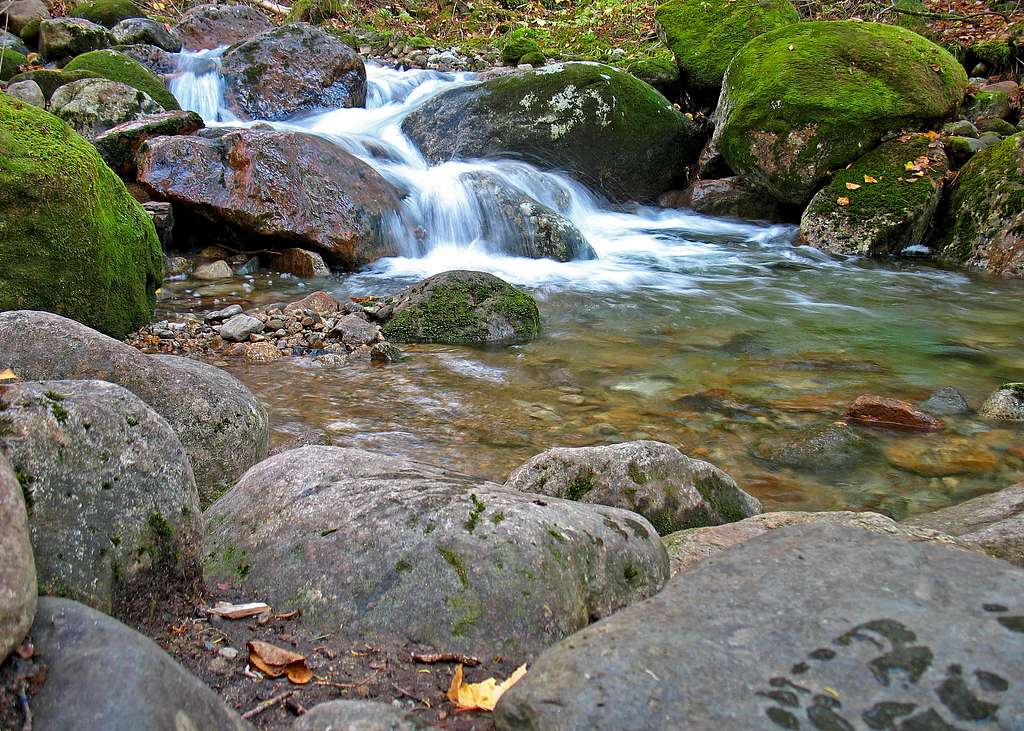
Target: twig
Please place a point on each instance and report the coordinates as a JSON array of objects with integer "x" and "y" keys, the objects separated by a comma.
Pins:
[
  {"x": 271, "y": 7},
  {"x": 264, "y": 705},
  {"x": 402, "y": 691},
  {"x": 432, "y": 658},
  {"x": 346, "y": 686}
]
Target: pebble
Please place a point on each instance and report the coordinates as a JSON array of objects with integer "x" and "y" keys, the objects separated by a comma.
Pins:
[
  {"x": 573, "y": 399},
  {"x": 229, "y": 653}
]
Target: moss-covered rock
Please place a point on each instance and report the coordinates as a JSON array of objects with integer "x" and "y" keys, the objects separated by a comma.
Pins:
[
  {"x": 660, "y": 71},
  {"x": 608, "y": 129},
  {"x": 106, "y": 12},
  {"x": 9, "y": 63},
  {"x": 460, "y": 307},
  {"x": 61, "y": 39},
  {"x": 118, "y": 67},
  {"x": 92, "y": 106},
  {"x": 809, "y": 98},
  {"x": 514, "y": 50},
  {"x": 704, "y": 35},
  {"x": 995, "y": 53},
  {"x": 984, "y": 222},
  {"x": 50, "y": 80},
  {"x": 72, "y": 240},
  {"x": 876, "y": 206},
  {"x": 993, "y": 104}
]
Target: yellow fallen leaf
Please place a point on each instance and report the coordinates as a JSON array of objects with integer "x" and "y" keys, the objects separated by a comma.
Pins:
[
  {"x": 791, "y": 46},
  {"x": 909, "y": 166},
  {"x": 8, "y": 375},
  {"x": 869, "y": 179},
  {"x": 275, "y": 661},
  {"x": 480, "y": 696},
  {"x": 852, "y": 186},
  {"x": 843, "y": 201}
]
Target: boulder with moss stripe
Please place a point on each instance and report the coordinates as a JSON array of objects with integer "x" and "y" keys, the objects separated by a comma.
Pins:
[
  {"x": 804, "y": 100},
  {"x": 105, "y": 12},
  {"x": 50, "y": 80},
  {"x": 61, "y": 39},
  {"x": 118, "y": 67}
]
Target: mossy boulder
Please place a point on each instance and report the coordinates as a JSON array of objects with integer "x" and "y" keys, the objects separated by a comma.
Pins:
[
  {"x": 607, "y": 128},
  {"x": 460, "y": 307},
  {"x": 61, "y": 39},
  {"x": 118, "y": 67},
  {"x": 514, "y": 50},
  {"x": 984, "y": 222},
  {"x": 72, "y": 240},
  {"x": 9, "y": 63},
  {"x": 50, "y": 80},
  {"x": 106, "y": 12},
  {"x": 22, "y": 16},
  {"x": 704, "y": 35},
  {"x": 92, "y": 106},
  {"x": 876, "y": 206},
  {"x": 804, "y": 100},
  {"x": 119, "y": 146},
  {"x": 659, "y": 71}
]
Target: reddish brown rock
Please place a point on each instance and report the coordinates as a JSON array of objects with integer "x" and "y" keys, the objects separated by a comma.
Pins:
[
  {"x": 323, "y": 303},
  {"x": 276, "y": 186},
  {"x": 724, "y": 197},
  {"x": 891, "y": 413},
  {"x": 211, "y": 26},
  {"x": 120, "y": 145},
  {"x": 301, "y": 263}
]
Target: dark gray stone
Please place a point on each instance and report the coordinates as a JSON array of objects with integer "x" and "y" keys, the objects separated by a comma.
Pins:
[
  {"x": 102, "y": 674},
  {"x": 145, "y": 31},
  {"x": 222, "y": 425},
  {"x": 357, "y": 716},
  {"x": 812, "y": 626},
  {"x": 653, "y": 479},
  {"x": 947, "y": 401},
  {"x": 18, "y": 567},
  {"x": 382, "y": 548},
  {"x": 157, "y": 60},
  {"x": 112, "y": 503},
  {"x": 61, "y": 39},
  {"x": 12, "y": 42},
  {"x": 829, "y": 448}
]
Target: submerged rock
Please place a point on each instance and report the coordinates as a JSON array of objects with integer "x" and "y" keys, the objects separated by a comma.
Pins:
[
  {"x": 946, "y": 401},
  {"x": 211, "y": 26},
  {"x": 460, "y": 307},
  {"x": 808, "y": 627},
  {"x": 689, "y": 548},
  {"x": 396, "y": 550},
  {"x": 18, "y": 568},
  {"x": 993, "y": 523},
  {"x": 1005, "y": 404},
  {"x": 891, "y": 413},
  {"x": 823, "y": 449},
  {"x": 72, "y": 240},
  {"x": 93, "y": 106},
  {"x": 938, "y": 457},
  {"x": 222, "y": 425},
  {"x": 653, "y": 479},
  {"x": 786, "y": 119},
  {"x": 888, "y": 208},
  {"x": 293, "y": 68},
  {"x": 984, "y": 223},
  {"x": 606, "y": 128},
  {"x": 100, "y": 669},
  {"x": 279, "y": 187},
  {"x": 112, "y": 504}
]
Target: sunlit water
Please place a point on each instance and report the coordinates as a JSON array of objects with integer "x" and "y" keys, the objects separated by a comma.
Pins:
[{"x": 706, "y": 333}]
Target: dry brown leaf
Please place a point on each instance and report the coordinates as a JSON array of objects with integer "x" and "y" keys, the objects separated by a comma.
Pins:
[
  {"x": 8, "y": 375},
  {"x": 275, "y": 661},
  {"x": 843, "y": 201},
  {"x": 483, "y": 695},
  {"x": 238, "y": 611},
  {"x": 852, "y": 186}
]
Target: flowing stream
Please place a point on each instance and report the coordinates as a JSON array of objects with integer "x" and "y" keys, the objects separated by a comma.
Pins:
[{"x": 710, "y": 334}]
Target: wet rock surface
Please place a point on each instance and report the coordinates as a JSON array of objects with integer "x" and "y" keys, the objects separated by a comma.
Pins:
[
  {"x": 831, "y": 448},
  {"x": 786, "y": 644},
  {"x": 64, "y": 38},
  {"x": 93, "y": 106},
  {"x": 211, "y": 26},
  {"x": 891, "y": 413},
  {"x": 145, "y": 31},
  {"x": 653, "y": 479},
  {"x": 387, "y": 548},
  {"x": 119, "y": 146},
  {"x": 18, "y": 569}
]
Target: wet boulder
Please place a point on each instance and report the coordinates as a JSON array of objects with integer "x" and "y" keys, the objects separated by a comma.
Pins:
[
  {"x": 732, "y": 197},
  {"x": 608, "y": 129},
  {"x": 49, "y": 80},
  {"x": 459, "y": 307},
  {"x": 519, "y": 225},
  {"x": 97, "y": 668},
  {"x": 704, "y": 36},
  {"x": 290, "y": 69},
  {"x": 61, "y": 39},
  {"x": 18, "y": 569},
  {"x": 688, "y": 548},
  {"x": 155, "y": 59},
  {"x": 211, "y": 26},
  {"x": 993, "y": 523},
  {"x": 394, "y": 550},
  {"x": 27, "y": 91},
  {"x": 823, "y": 449},
  {"x": 277, "y": 187},
  {"x": 145, "y": 31},
  {"x": 354, "y": 715},
  {"x": 876, "y": 206},
  {"x": 92, "y": 106},
  {"x": 814, "y": 626},
  {"x": 113, "y": 509},
  {"x": 72, "y": 240},
  {"x": 786, "y": 119},
  {"x": 984, "y": 220},
  {"x": 653, "y": 479},
  {"x": 1006, "y": 403},
  {"x": 221, "y": 424},
  {"x": 115, "y": 66},
  {"x": 120, "y": 146}
]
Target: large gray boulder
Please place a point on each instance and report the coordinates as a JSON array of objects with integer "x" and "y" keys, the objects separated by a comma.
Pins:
[
  {"x": 357, "y": 716},
  {"x": 653, "y": 479},
  {"x": 211, "y": 26},
  {"x": 61, "y": 39},
  {"x": 102, "y": 674},
  {"x": 1006, "y": 403},
  {"x": 93, "y": 106},
  {"x": 146, "y": 31},
  {"x": 113, "y": 509},
  {"x": 821, "y": 627},
  {"x": 993, "y": 523},
  {"x": 281, "y": 188},
  {"x": 606, "y": 128},
  {"x": 18, "y": 567},
  {"x": 290, "y": 69},
  {"x": 22, "y": 16},
  {"x": 388, "y": 549},
  {"x": 221, "y": 424},
  {"x": 12, "y": 43}
]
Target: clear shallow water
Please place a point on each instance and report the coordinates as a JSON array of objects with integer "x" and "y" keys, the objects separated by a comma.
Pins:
[{"x": 705, "y": 333}]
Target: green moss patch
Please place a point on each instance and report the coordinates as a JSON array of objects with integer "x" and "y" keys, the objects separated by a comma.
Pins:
[
  {"x": 50, "y": 80},
  {"x": 118, "y": 67},
  {"x": 106, "y": 12},
  {"x": 9, "y": 63}
]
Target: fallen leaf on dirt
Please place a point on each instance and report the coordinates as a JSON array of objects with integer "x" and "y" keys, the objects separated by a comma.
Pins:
[
  {"x": 483, "y": 695},
  {"x": 8, "y": 375},
  {"x": 852, "y": 186},
  {"x": 238, "y": 611},
  {"x": 843, "y": 201},
  {"x": 869, "y": 179},
  {"x": 276, "y": 661}
]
